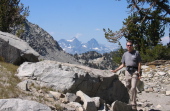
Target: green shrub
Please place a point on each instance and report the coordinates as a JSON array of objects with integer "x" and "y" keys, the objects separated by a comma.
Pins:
[{"x": 159, "y": 52}]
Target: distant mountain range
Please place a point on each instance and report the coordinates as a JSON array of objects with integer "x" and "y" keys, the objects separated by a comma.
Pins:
[{"x": 74, "y": 46}]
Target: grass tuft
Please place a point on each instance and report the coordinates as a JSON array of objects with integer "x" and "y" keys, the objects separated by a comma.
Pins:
[{"x": 8, "y": 81}]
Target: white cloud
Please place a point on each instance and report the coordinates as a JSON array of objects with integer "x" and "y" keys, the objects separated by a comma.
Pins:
[
  {"x": 165, "y": 40},
  {"x": 97, "y": 29},
  {"x": 78, "y": 35}
]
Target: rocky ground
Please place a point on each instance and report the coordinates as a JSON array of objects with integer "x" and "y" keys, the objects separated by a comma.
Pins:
[
  {"x": 154, "y": 87},
  {"x": 153, "y": 102}
]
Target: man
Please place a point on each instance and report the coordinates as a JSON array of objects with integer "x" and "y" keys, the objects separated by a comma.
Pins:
[{"x": 132, "y": 60}]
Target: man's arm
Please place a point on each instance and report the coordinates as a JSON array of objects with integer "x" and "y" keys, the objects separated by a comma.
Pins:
[
  {"x": 139, "y": 68},
  {"x": 120, "y": 67}
]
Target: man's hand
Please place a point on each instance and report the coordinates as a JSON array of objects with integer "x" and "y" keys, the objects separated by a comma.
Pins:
[
  {"x": 114, "y": 71},
  {"x": 120, "y": 67},
  {"x": 139, "y": 75}
]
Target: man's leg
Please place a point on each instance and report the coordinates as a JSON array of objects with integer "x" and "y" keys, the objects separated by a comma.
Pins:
[
  {"x": 128, "y": 78},
  {"x": 131, "y": 81},
  {"x": 133, "y": 88}
]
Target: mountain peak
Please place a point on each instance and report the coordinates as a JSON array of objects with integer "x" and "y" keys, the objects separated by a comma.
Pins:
[
  {"x": 73, "y": 39},
  {"x": 75, "y": 46},
  {"x": 93, "y": 41}
]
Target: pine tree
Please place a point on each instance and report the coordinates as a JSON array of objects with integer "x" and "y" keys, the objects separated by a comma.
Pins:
[
  {"x": 11, "y": 14},
  {"x": 155, "y": 30},
  {"x": 146, "y": 34},
  {"x": 143, "y": 13}
]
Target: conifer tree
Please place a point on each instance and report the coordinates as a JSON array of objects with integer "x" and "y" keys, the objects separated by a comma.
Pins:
[
  {"x": 12, "y": 13},
  {"x": 146, "y": 34},
  {"x": 143, "y": 13}
]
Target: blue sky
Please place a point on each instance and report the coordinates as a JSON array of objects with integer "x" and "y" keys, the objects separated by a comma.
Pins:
[{"x": 84, "y": 19}]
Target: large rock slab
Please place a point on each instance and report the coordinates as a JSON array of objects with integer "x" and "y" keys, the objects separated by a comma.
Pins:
[
  {"x": 65, "y": 77},
  {"x": 16, "y": 51},
  {"x": 21, "y": 105}
]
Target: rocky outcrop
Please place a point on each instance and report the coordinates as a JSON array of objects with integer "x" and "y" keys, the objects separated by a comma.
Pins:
[
  {"x": 70, "y": 78},
  {"x": 153, "y": 88},
  {"x": 15, "y": 50},
  {"x": 43, "y": 43},
  {"x": 22, "y": 105}
]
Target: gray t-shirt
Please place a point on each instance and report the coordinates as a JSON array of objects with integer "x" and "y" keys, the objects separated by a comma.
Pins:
[{"x": 131, "y": 58}]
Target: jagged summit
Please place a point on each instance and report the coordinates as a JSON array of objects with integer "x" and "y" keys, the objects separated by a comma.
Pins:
[
  {"x": 75, "y": 46},
  {"x": 74, "y": 39}
]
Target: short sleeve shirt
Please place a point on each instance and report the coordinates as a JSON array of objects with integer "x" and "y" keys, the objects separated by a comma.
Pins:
[{"x": 131, "y": 58}]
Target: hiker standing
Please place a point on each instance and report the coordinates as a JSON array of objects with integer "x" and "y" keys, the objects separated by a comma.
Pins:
[{"x": 132, "y": 60}]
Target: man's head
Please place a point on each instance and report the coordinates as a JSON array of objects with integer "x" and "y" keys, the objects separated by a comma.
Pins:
[{"x": 129, "y": 45}]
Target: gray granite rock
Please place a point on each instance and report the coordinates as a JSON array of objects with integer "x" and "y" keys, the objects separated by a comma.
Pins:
[
  {"x": 70, "y": 78},
  {"x": 21, "y": 105},
  {"x": 15, "y": 50}
]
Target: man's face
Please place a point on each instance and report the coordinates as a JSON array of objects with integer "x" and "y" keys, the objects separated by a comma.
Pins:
[{"x": 129, "y": 46}]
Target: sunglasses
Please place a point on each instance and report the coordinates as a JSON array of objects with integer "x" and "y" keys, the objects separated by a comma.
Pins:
[{"x": 128, "y": 45}]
